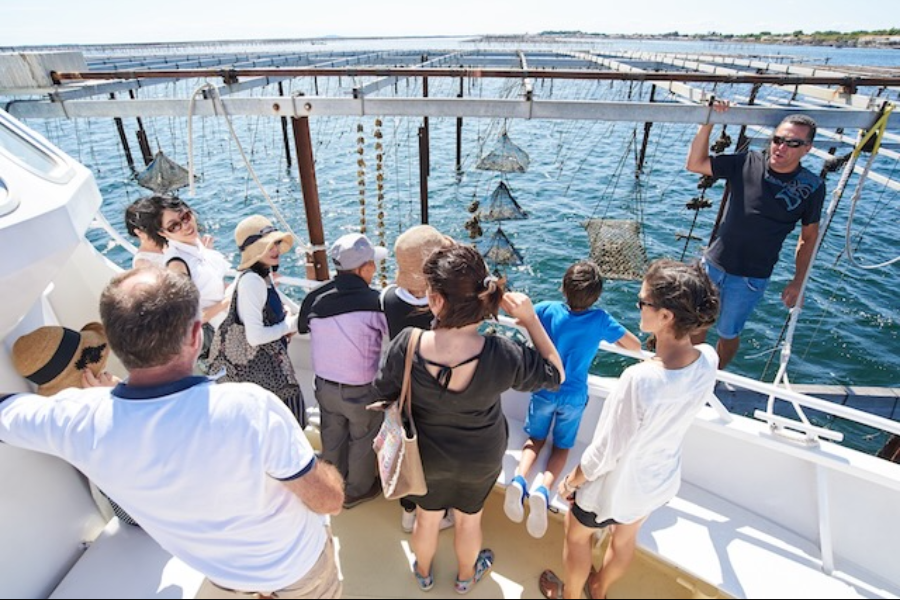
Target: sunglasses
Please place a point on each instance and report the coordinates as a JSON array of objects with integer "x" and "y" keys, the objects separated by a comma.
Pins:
[
  {"x": 777, "y": 140},
  {"x": 183, "y": 219},
  {"x": 641, "y": 303}
]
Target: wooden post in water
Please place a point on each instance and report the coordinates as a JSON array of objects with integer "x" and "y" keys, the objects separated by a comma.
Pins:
[
  {"x": 120, "y": 127},
  {"x": 423, "y": 174},
  {"x": 284, "y": 130},
  {"x": 647, "y": 126},
  {"x": 459, "y": 125},
  {"x": 143, "y": 143},
  {"x": 425, "y": 120},
  {"x": 317, "y": 263}
]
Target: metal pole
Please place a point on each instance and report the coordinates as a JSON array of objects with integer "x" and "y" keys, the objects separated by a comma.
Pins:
[
  {"x": 425, "y": 121},
  {"x": 647, "y": 126},
  {"x": 459, "y": 125},
  {"x": 423, "y": 174},
  {"x": 318, "y": 262},
  {"x": 120, "y": 127},
  {"x": 143, "y": 143},
  {"x": 284, "y": 131}
]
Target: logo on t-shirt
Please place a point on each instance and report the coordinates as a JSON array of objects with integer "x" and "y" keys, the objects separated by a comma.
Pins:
[{"x": 795, "y": 190}]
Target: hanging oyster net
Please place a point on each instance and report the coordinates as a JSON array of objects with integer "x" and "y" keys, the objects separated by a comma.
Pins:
[
  {"x": 498, "y": 250},
  {"x": 163, "y": 175},
  {"x": 502, "y": 206},
  {"x": 616, "y": 247},
  {"x": 506, "y": 157}
]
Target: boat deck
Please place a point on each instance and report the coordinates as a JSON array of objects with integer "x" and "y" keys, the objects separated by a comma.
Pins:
[{"x": 520, "y": 559}]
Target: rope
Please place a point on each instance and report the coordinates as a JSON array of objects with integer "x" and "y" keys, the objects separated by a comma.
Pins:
[
  {"x": 878, "y": 128},
  {"x": 878, "y": 131},
  {"x": 218, "y": 104}
]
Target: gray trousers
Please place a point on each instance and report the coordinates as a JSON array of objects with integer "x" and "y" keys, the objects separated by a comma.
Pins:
[{"x": 348, "y": 430}]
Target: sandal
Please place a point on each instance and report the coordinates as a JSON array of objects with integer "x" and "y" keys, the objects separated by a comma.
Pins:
[
  {"x": 425, "y": 583},
  {"x": 483, "y": 565},
  {"x": 551, "y": 586}
]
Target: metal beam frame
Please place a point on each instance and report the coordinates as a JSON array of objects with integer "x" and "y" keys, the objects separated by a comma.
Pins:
[{"x": 316, "y": 106}]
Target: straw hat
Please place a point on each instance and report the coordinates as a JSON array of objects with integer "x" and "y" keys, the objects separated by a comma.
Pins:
[
  {"x": 411, "y": 250},
  {"x": 255, "y": 236},
  {"x": 55, "y": 357}
]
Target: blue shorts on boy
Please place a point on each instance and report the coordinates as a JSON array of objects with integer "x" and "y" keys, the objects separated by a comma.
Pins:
[{"x": 576, "y": 336}]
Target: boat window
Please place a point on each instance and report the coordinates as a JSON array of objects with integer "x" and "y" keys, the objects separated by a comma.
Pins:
[{"x": 30, "y": 152}]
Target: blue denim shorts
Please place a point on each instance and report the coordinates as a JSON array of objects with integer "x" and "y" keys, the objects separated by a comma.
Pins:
[
  {"x": 562, "y": 411},
  {"x": 738, "y": 296}
]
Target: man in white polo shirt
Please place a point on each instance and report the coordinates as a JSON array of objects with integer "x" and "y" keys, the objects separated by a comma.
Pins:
[{"x": 221, "y": 476}]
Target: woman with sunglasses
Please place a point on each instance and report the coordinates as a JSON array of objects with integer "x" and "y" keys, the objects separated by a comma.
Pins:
[
  {"x": 174, "y": 225},
  {"x": 633, "y": 464},
  {"x": 770, "y": 192}
]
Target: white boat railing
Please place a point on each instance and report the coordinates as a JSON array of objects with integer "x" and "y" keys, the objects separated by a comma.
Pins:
[{"x": 778, "y": 424}]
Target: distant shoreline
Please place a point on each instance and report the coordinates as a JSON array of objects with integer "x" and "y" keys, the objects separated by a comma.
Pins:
[{"x": 828, "y": 39}]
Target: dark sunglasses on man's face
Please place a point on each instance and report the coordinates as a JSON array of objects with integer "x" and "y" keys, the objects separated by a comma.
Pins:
[
  {"x": 789, "y": 142},
  {"x": 183, "y": 219}
]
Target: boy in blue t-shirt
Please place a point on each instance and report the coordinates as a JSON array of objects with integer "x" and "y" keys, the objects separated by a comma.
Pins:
[{"x": 577, "y": 330}]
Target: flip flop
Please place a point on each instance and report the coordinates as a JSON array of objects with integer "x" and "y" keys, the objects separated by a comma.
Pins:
[{"x": 551, "y": 586}]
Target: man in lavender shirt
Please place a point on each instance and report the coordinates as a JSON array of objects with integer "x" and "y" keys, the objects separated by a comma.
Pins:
[{"x": 347, "y": 325}]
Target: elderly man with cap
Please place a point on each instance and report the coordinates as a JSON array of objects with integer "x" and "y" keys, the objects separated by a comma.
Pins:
[
  {"x": 221, "y": 476},
  {"x": 347, "y": 326},
  {"x": 251, "y": 343}
]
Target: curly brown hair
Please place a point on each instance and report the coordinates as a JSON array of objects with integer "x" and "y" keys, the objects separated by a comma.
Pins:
[{"x": 686, "y": 291}]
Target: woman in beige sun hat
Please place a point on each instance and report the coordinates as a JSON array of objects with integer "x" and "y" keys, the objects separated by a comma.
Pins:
[
  {"x": 251, "y": 344},
  {"x": 55, "y": 357}
]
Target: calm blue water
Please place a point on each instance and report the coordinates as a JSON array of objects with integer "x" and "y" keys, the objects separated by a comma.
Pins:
[{"x": 848, "y": 333}]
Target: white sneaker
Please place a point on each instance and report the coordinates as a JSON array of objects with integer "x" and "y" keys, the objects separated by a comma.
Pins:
[
  {"x": 407, "y": 520},
  {"x": 448, "y": 521},
  {"x": 537, "y": 513},
  {"x": 514, "y": 503}
]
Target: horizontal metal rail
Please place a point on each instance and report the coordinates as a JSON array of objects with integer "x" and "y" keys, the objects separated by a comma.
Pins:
[{"x": 849, "y": 82}]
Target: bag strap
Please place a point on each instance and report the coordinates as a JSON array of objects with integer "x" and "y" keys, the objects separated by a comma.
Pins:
[{"x": 406, "y": 389}]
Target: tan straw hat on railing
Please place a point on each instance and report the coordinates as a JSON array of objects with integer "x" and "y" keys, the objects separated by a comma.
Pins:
[{"x": 55, "y": 357}]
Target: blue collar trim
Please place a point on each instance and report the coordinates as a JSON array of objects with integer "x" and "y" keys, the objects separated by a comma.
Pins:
[{"x": 131, "y": 392}]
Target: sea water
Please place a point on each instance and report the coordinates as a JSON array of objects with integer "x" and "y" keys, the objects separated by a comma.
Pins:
[{"x": 848, "y": 332}]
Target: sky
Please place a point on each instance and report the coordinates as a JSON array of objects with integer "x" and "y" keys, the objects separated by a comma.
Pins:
[{"x": 50, "y": 22}]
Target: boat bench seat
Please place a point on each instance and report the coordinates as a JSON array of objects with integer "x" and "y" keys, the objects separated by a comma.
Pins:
[
  {"x": 705, "y": 535},
  {"x": 125, "y": 562}
]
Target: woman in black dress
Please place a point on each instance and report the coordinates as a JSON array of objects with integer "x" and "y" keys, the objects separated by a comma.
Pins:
[{"x": 458, "y": 376}]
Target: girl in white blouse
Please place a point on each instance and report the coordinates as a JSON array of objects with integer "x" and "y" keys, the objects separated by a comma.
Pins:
[
  {"x": 633, "y": 465},
  {"x": 175, "y": 226}
]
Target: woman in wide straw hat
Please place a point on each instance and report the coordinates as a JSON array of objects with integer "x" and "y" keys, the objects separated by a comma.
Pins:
[
  {"x": 55, "y": 357},
  {"x": 251, "y": 344}
]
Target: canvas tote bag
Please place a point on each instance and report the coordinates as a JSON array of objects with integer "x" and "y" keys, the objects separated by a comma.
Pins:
[{"x": 397, "y": 446}]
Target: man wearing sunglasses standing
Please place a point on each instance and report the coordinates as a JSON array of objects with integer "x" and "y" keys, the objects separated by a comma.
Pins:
[{"x": 770, "y": 192}]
